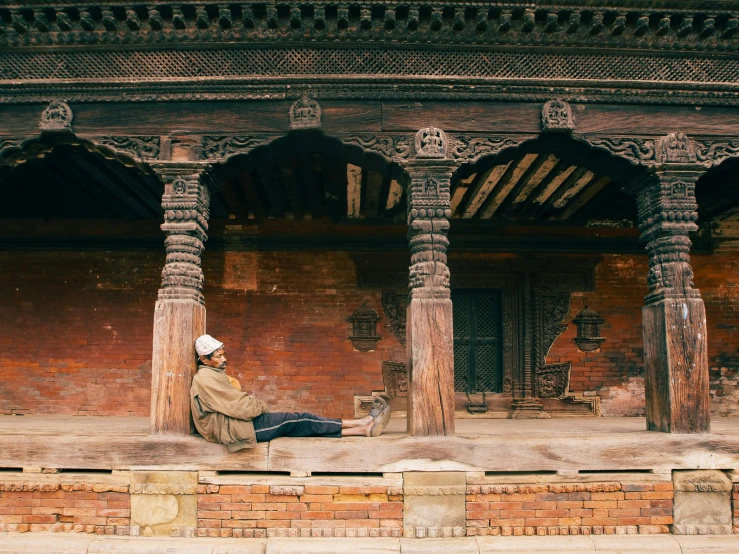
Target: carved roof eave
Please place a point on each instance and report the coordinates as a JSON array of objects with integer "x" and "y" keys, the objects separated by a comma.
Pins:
[
  {"x": 464, "y": 148},
  {"x": 711, "y": 25}
]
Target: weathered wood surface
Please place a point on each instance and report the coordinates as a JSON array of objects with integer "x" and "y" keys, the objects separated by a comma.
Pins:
[
  {"x": 172, "y": 118},
  {"x": 596, "y": 444},
  {"x": 676, "y": 366},
  {"x": 177, "y": 323},
  {"x": 430, "y": 367}
]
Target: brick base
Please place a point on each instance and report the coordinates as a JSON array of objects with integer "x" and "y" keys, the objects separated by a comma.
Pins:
[
  {"x": 78, "y": 507},
  {"x": 569, "y": 508},
  {"x": 299, "y": 511}
]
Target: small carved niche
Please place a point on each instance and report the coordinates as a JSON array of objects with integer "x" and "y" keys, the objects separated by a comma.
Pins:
[
  {"x": 364, "y": 328},
  {"x": 305, "y": 113},
  {"x": 588, "y": 324}
]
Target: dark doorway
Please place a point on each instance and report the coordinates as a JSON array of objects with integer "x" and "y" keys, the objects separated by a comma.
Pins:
[{"x": 477, "y": 341}]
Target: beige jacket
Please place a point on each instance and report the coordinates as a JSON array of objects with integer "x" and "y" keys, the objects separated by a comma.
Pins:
[{"x": 222, "y": 413}]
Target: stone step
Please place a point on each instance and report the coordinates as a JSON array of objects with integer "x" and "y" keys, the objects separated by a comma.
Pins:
[{"x": 54, "y": 543}]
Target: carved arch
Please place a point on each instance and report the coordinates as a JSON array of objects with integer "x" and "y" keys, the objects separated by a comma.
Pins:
[
  {"x": 387, "y": 147},
  {"x": 15, "y": 151}
]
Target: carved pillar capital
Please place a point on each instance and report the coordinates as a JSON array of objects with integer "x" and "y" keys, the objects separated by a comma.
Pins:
[
  {"x": 667, "y": 215},
  {"x": 428, "y": 225},
  {"x": 185, "y": 202}
]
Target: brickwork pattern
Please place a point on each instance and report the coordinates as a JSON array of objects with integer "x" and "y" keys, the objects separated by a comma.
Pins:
[
  {"x": 77, "y": 331},
  {"x": 616, "y": 371},
  {"x": 299, "y": 511},
  {"x": 569, "y": 509},
  {"x": 54, "y": 507}
]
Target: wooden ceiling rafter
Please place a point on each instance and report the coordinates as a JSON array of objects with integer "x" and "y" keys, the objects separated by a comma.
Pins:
[{"x": 506, "y": 185}]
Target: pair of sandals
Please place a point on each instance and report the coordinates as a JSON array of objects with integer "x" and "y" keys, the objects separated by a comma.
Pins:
[{"x": 380, "y": 413}]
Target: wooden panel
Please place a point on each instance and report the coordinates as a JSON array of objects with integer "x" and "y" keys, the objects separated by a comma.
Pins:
[
  {"x": 500, "y": 117},
  {"x": 213, "y": 117},
  {"x": 657, "y": 120}
]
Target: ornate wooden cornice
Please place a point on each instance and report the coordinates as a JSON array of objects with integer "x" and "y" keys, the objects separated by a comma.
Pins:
[
  {"x": 648, "y": 151},
  {"x": 701, "y": 26}
]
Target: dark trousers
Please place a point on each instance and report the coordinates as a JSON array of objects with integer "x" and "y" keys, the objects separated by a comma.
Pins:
[{"x": 294, "y": 424}]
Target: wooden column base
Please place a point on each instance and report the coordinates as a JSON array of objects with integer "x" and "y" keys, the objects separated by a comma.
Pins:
[
  {"x": 676, "y": 366},
  {"x": 430, "y": 367},
  {"x": 177, "y": 323}
]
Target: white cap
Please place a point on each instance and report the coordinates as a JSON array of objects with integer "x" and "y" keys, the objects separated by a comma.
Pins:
[{"x": 205, "y": 345}]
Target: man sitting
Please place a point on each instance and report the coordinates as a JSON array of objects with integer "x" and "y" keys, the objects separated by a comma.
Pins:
[{"x": 224, "y": 414}]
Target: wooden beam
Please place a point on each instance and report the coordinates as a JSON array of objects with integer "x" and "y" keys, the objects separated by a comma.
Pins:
[
  {"x": 308, "y": 164},
  {"x": 536, "y": 178},
  {"x": 119, "y": 173},
  {"x": 374, "y": 191},
  {"x": 587, "y": 195},
  {"x": 507, "y": 184},
  {"x": 253, "y": 201},
  {"x": 394, "y": 195},
  {"x": 292, "y": 188},
  {"x": 554, "y": 184},
  {"x": 573, "y": 190},
  {"x": 114, "y": 189},
  {"x": 485, "y": 185},
  {"x": 72, "y": 174},
  {"x": 353, "y": 191},
  {"x": 272, "y": 188},
  {"x": 460, "y": 190}
]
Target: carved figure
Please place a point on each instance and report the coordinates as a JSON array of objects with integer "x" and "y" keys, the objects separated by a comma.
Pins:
[
  {"x": 56, "y": 118},
  {"x": 364, "y": 328},
  {"x": 556, "y": 115},
  {"x": 226, "y": 415},
  {"x": 305, "y": 114},
  {"x": 677, "y": 148},
  {"x": 431, "y": 143}
]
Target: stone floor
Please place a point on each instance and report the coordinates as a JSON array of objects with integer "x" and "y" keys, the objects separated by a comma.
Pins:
[{"x": 42, "y": 543}]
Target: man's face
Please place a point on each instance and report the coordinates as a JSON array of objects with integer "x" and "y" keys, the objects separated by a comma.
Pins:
[{"x": 217, "y": 359}]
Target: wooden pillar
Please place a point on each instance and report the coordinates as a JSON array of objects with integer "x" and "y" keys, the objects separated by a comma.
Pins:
[
  {"x": 179, "y": 315},
  {"x": 674, "y": 318},
  {"x": 429, "y": 316}
]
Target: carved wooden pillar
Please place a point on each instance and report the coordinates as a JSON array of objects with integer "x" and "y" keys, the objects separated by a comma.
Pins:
[
  {"x": 429, "y": 316},
  {"x": 674, "y": 318},
  {"x": 179, "y": 316}
]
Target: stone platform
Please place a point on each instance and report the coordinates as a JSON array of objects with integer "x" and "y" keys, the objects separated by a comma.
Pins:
[
  {"x": 555, "y": 445},
  {"x": 43, "y": 543},
  {"x": 535, "y": 479}
]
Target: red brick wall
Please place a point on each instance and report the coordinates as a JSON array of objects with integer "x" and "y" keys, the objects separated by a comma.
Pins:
[
  {"x": 299, "y": 511},
  {"x": 616, "y": 370},
  {"x": 77, "y": 330},
  {"x": 65, "y": 507},
  {"x": 287, "y": 340},
  {"x": 569, "y": 509}
]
